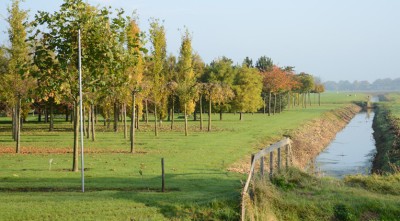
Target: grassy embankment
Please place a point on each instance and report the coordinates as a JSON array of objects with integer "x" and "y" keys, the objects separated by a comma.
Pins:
[
  {"x": 295, "y": 195},
  {"x": 387, "y": 133},
  {"x": 123, "y": 186}
]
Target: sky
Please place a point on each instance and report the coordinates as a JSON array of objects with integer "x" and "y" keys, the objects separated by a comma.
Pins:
[{"x": 330, "y": 39}]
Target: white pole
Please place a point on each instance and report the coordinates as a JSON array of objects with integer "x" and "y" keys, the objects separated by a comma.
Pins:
[{"x": 81, "y": 112}]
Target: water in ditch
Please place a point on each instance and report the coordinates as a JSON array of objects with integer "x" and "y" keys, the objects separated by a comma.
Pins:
[{"x": 352, "y": 150}]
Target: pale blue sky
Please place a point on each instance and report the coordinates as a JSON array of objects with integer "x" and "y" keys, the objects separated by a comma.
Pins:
[{"x": 335, "y": 39}]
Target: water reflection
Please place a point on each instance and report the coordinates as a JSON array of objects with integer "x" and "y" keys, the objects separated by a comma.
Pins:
[{"x": 352, "y": 150}]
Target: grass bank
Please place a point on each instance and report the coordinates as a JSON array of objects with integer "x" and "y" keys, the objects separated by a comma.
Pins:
[
  {"x": 38, "y": 184},
  {"x": 387, "y": 134},
  {"x": 295, "y": 195}
]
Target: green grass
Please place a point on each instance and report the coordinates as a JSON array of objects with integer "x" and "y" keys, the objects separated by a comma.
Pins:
[
  {"x": 294, "y": 195},
  {"x": 197, "y": 181}
]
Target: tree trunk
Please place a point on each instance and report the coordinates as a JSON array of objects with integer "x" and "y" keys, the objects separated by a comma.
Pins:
[
  {"x": 155, "y": 121},
  {"x": 195, "y": 114},
  {"x": 280, "y": 103},
  {"x": 240, "y": 116},
  {"x": 209, "y": 116},
  {"x": 124, "y": 121},
  {"x": 309, "y": 98},
  {"x": 265, "y": 105},
  {"x": 137, "y": 119},
  {"x": 95, "y": 113},
  {"x": 40, "y": 114},
  {"x": 92, "y": 109},
  {"x": 201, "y": 112},
  {"x": 274, "y": 103},
  {"x": 66, "y": 114},
  {"x": 76, "y": 137},
  {"x": 18, "y": 127},
  {"x": 83, "y": 120},
  {"x": 116, "y": 116},
  {"x": 89, "y": 115},
  {"x": 147, "y": 112},
  {"x": 108, "y": 119},
  {"x": 46, "y": 115},
  {"x": 173, "y": 113},
  {"x": 186, "y": 122},
  {"x": 132, "y": 132},
  {"x": 14, "y": 123},
  {"x": 269, "y": 103},
  {"x": 220, "y": 112},
  {"x": 319, "y": 99}
]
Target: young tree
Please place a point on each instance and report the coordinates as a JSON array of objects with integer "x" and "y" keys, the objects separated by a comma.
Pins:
[
  {"x": 247, "y": 87},
  {"x": 186, "y": 78},
  {"x": 135, "y": 70},
  {"x": 18, "y": 80},
  {"x": 319, "y": 88},
  {"x": 157, "y": 70},
  {"x": 61, "y": 31},
  {"x": 307, "y": 85},
  {"x": 221, "y": 73}
]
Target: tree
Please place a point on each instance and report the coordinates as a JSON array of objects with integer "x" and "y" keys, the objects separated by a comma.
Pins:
[
  {"x": 248, "y": 62},
  {"x": 319, "y": 88},
  {"x": 307, "y": 85},
  {"x": 157, "y": 69},
  {"x": 135, "y": 70},
  {"x": 46, "y": 74},
  {"x": 274, "y": 81},
  {"x": 171, "y": 75},
  {"x": 186, "y": 78},
  {"x": 18, "y": 81},
  {"x": 98, "y": 57},
  {"x": 220, "y": 73},
  {"x": 264, "y": 64},
  {"x": 247, "y": 88}
]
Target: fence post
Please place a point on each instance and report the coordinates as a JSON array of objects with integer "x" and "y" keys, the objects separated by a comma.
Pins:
[
  {"x": 251, "y": 163},
  {"x": 162, "y": 176},
  {"x": 262, "y": 167},
  {"x": 287, "y": 155},
  {"x": 271, "y": 163},
  {"x": 279, "y": 159}
]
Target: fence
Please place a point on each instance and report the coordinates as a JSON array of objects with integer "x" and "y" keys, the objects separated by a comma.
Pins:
[{"x": 284, "y": 143}]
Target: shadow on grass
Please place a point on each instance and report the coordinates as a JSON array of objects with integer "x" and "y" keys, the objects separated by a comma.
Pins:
[{"x": 193, "y": 195}]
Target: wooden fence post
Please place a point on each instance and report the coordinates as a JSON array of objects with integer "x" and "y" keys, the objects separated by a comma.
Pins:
[
  {"x": 251, "y": 163},
  {"x": 262, "y": 167},
  {"x": 287, "y": 156},
  {"x": 271, "y": 163},
  {"x": 279, "y": 159},
  {"x": 162, "y": 176}
]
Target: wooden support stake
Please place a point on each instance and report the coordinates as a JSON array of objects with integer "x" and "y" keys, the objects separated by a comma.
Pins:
[
  {"x": 279, "y": 159},
  {"x": 162, "y": 176},
  {"x": 287, "y": 156},
  {"x": 262, "y": 167},
  {"x": 271, "y": 163},
  {"x": 251, "y": 163}
]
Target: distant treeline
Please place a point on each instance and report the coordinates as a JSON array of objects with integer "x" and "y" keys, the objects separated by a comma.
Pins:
[{"x": 386, "y": 84}]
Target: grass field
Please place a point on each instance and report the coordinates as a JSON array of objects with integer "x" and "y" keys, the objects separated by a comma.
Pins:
[{"x": 123, "y": 186}]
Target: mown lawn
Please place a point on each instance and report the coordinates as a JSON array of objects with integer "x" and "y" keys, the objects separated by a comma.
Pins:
[{"x": 124, "y": 186}]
